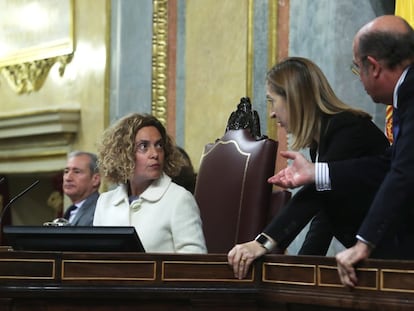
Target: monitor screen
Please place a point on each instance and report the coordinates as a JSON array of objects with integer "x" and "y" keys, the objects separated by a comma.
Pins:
[{"x": 73, "y": 238}]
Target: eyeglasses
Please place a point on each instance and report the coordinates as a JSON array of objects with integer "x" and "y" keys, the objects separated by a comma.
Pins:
[{"x": 355, "y": 69}]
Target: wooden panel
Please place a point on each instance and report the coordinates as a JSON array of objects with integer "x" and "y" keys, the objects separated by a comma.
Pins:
[
  {"x": 205, "y": 271},
  {"x": 115, "y": 270},
  {"x": 27, "y": 269},
  {"x": 397, "y": 280},
  {"x": 283, "y": 273},
  {"x": 121, "y": 282}
]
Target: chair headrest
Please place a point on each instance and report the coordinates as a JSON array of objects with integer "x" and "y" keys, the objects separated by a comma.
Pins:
[{"x": 245, "y": 118}]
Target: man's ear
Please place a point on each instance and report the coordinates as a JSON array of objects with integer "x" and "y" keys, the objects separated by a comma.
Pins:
[
  {"x": 375, "y": 66},
  {"x": 96, "y": 179}
]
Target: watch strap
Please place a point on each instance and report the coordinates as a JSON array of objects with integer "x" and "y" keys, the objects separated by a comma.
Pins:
[{"x": 267, "y": 242}]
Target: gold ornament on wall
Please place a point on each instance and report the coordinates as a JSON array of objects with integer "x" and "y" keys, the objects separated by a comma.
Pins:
[
  {"x": 29, "y": 77},
  {"x": 35, "y": 35},
  {"x": 159, "y": 60}
]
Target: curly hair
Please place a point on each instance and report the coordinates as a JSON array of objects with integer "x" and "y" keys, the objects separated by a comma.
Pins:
[{"x": 116, "y": 152}]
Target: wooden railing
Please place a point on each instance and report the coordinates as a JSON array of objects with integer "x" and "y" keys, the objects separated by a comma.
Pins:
[{"x": 132, "y": 281}]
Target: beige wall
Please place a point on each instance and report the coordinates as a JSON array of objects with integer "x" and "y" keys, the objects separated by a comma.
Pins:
[
  {"x": 83, "y": 85},
  {"x": 73, "y": 103},
  {"x": 90, "y": 83},
  {"x": 216, "y": 56},
  {"x": 216, "y": 73}
]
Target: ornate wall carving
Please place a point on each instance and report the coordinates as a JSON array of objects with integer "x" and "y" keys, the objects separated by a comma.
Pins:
[
  {"x": 30, "y": 76},
  {"x": 159, "y": 60},
  {"x": 35, "y": 35}
]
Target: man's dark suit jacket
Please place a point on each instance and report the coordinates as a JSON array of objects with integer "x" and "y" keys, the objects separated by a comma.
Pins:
[
  {"x": 390, "y": 222},
  {"x": 84, "y": 216},
  {"x": 343, "y": 136}
]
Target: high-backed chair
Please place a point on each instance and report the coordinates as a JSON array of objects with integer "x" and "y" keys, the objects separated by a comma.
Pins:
[{"x": 234, "y": 197}]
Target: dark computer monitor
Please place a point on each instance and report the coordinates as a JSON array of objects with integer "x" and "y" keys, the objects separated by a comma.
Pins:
[{"x": 73, "y": 238}]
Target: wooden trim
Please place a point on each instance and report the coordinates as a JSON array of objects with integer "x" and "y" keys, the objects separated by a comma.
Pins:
[{"x": 67, "y": 281}]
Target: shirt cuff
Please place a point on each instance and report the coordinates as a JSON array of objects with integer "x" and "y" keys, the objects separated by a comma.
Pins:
[
  {"x": 322, "y": 179},
  {"x": 360, "y": 238}
]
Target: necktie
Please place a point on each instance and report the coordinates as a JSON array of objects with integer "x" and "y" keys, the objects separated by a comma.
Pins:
[
  {"x": 395, "y": 124},
  {"x": 68, "y": 211}
]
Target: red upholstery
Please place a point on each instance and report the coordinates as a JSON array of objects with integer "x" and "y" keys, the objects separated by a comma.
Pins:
[{"x": 232, "y": 190}]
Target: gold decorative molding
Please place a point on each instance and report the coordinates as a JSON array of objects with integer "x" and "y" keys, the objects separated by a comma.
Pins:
[
  {"x": 30, "y": 48},
  {"x": 272, "y": 55},
  {"x": 159, "y": 60},
  {"x": 30, "y": 76},
  {"x": 272, "y": 33},
  {"x": 250, "y": 49}
]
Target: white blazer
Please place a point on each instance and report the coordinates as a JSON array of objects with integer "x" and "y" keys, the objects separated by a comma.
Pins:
[{"x": 165, "y": 216}]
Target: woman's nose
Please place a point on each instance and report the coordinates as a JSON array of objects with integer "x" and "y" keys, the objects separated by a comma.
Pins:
[
  {"x": 154, "y": 152},
  {"x": 273, "y": 115}
]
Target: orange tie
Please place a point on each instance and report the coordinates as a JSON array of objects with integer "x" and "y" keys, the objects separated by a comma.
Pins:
[{"x": 388, "y": 123}]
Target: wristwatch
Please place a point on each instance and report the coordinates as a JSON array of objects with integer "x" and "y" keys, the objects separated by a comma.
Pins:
[{"x": 267, "y": 242}]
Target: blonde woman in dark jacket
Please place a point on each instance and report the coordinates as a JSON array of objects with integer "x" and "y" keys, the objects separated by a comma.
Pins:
[{"x": 303, "y": 102}]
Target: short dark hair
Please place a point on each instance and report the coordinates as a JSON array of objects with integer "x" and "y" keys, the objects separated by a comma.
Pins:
[{"x": 392, "y": 47}]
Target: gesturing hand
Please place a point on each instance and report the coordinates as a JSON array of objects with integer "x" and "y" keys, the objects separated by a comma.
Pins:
[{"x": 299, "y": 173}]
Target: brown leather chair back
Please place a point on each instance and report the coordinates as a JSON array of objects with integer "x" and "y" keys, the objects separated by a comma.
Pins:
[{"x": 232, "y": 189}]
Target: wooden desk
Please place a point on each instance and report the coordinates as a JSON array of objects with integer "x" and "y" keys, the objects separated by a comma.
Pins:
[{"x": 132, "y": 281}]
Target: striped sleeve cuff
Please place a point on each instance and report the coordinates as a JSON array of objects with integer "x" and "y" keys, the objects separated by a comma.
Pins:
[{"x": 322, "y": 180}]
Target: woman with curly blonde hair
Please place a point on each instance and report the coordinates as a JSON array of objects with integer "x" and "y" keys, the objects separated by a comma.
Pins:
[{"x": 138, "y": 155}]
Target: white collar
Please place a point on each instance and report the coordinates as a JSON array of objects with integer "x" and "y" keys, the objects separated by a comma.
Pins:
[
  {"x": 153, "y": 193},
  {"x": 397, "y": 86}
]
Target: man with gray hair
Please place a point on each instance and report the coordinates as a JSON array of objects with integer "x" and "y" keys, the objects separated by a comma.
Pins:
[{"x": 81, "y": 181}]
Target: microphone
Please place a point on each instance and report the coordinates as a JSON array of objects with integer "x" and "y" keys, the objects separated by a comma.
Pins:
[{"x": 7, "y": 207}]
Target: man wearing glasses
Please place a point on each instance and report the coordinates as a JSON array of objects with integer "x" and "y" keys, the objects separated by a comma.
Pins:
[{"x": 383, "y": 57}]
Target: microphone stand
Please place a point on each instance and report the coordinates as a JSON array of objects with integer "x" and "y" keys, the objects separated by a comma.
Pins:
[{"x": 8, "y": 205}]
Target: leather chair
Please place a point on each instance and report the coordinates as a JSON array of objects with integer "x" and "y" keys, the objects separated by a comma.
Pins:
[{"x": 232, "y": 192}]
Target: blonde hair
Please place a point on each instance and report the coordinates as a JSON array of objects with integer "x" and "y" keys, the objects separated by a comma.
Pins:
[
  {"x": 116, "y": 152},
  {"x": 308, "y": 97}
]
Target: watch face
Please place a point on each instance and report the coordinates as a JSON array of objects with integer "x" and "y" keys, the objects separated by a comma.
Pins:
[
  {"x": 267, "y": 243},
  {"x": 261, "y": 239}
]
